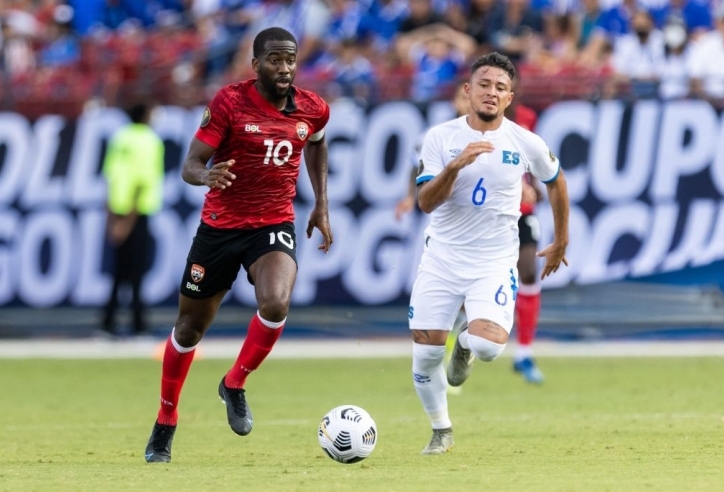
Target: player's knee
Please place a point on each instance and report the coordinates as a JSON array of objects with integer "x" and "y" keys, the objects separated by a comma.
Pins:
[
  {"x": 527, "y": 278},
  {"x": 484, "y": 349},
  {"x": 188, "y": 331},
  {"x": 426, "y": 359},
  {"x": 274, "y": 309},
  {"x": 187, "y": 338}
]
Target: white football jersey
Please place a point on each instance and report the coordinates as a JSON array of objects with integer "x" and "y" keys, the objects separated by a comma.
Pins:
[{"x": 478, "y": 224}]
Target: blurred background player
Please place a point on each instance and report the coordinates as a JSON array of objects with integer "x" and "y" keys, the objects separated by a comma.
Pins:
[
  {"x": 527, "y": 304},
  {"x": 134, "y": 171}
]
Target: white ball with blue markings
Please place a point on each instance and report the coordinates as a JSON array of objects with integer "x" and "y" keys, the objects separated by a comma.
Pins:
[{"x": 347, "y": 434}]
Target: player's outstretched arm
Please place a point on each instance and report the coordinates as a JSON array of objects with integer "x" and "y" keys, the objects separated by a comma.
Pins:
[
  {"x": 196, "y": 173},
  {"x": 315, "y": 155},
  {"x": 555, "y": 253}
]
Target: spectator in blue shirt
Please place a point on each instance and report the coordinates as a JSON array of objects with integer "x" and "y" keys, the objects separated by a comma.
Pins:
[
  {"x": 693, "y": 14},
  {"x": 437, "y": 54},
  {"x": 616, "y": 21},
  {"x": 382, "y": 22},
  {"x": 87, "y": 14},
  {"x": 353, "y": 75},
  {"x": 611, "y": 25},
  {"x": 346, "y": 17},
  {"x": 62, "y": 48},
  {"x": 514, "y": 27}
]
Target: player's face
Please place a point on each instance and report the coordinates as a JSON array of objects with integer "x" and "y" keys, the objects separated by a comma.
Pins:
[
  {"x": 276, "y": 68},
  {"x": 489, "y": 92}
]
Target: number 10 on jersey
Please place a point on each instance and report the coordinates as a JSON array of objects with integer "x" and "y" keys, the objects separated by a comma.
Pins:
[{"x": 273, "y": 152}]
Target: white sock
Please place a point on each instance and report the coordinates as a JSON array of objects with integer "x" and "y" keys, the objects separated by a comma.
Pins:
[
  {"x": 463, "y": 339},
  {"x": 428, "y": 375},
  {"x": 523, "y": 352}
]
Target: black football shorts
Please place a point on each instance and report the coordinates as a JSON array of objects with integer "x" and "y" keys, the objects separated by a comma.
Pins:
[
  {"x": 216, "y": 255},
  {"x": 528, "y": 229}
]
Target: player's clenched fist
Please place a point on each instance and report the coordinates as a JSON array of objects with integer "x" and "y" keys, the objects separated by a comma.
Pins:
[{"x": 219, "y": 176}]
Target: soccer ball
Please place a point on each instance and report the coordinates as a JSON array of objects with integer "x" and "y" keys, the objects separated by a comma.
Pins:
[{"x": 347, "y": 434}]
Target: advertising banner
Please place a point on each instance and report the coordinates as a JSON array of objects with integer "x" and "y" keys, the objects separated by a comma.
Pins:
[{"x": 646, "y": 182}]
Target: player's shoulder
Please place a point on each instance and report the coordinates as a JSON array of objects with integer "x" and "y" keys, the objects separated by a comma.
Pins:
[
  {"x": 444, "y": 129},
  {"x": 309, "y": 101},
  {"x": 235, "y": 90},
  {"x": 527, "y": 142},
  {"x": 520, "y": 133}
]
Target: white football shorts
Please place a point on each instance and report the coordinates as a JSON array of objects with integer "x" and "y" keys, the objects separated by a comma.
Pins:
[{"x": 438, "y": 294}]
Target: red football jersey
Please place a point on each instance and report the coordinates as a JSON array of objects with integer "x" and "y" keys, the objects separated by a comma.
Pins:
[
  {"x": 526, "y": 117},
  {"x": 266, "y": 144}
]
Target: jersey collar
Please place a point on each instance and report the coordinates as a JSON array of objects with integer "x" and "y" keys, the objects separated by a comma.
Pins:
[
  {"x": 489, "y": 135},
  {"x": 291, "y": 105}
]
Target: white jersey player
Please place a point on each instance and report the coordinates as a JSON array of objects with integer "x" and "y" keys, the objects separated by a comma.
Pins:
[{"x": 470, "y": 182}]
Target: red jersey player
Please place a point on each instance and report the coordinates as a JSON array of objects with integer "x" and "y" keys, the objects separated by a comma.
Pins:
[
  {"x": 256, "y": 132},
  {"x": 527, "y": 304}
]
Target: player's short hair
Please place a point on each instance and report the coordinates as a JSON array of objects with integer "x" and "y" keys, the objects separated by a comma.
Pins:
[
  {"x": 139, "y": 112},
  {"x": 271, "y": 34},
  {"x": 494, "y": 60}
]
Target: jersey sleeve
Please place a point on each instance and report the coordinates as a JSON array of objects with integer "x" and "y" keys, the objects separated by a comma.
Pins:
[
  {"x": 321, "y": 118},
  {"x": 540, "y": 161},
  {"x": 216, "y": 122},
  {"x": 431, "y": 161}
]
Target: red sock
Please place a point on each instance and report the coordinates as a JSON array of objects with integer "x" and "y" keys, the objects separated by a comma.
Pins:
[
  {"x": 175, "y": 369},
  {"x": 259, "y": 341},
  {"x": 527, "y": 309}
]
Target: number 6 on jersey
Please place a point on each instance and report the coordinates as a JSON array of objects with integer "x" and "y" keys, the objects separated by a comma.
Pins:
[{"x": 479, "y": 193}]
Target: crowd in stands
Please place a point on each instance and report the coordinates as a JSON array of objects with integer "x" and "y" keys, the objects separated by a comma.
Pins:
[{"x": 182, "y": 51}]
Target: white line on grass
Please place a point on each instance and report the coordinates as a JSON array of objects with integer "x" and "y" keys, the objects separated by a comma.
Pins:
[{"x": 215, "y": 348}]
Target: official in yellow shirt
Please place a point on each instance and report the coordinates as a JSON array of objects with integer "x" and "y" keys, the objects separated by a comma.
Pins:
[{"x": 134, "y": 171}]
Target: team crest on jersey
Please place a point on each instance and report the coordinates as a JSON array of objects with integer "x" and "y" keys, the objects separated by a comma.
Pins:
[
  {"x": 197, "y": 273},
  {"x": 302, "y": 130},
  {"x": 206, "y": 118},
  {"x": 455, "y": 152}
]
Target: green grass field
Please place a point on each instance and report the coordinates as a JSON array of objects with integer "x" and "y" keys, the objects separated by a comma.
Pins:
[{"x": 596, "y": 424}]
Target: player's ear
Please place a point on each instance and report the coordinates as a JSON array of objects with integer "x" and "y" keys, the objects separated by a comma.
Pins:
[{"x": 256, "y": 65}]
